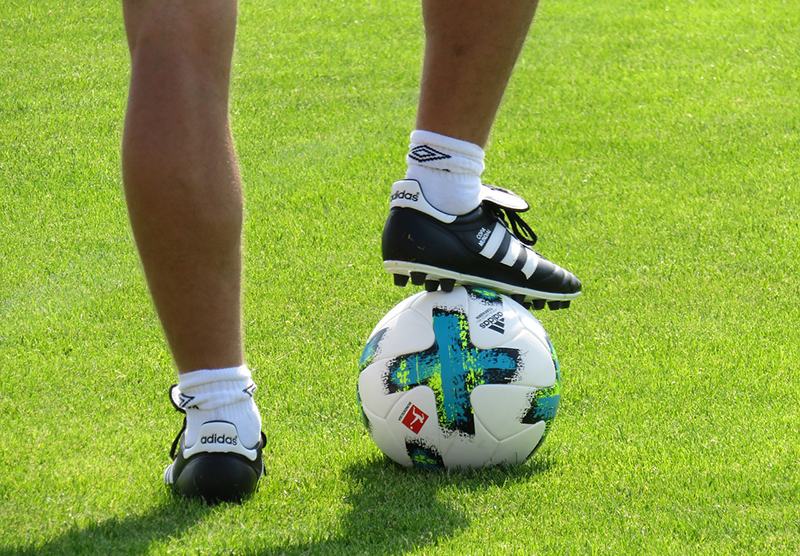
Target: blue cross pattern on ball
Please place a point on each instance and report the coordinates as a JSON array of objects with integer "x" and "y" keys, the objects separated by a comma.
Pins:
[{"x": 453, "y": 367}]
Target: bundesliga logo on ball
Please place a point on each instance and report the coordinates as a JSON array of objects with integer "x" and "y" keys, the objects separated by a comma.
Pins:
[{"x": 464, "y": 379}]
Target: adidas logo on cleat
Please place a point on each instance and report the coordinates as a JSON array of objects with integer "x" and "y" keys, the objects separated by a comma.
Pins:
[
  {"x": 219, "y": 439},
  {"x": 404, "y": 195}
]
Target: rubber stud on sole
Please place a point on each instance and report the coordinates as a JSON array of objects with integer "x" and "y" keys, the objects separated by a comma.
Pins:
[
  {"x": 431, "y": 285},
  {"x": 447, "y": 284},
  {"x": 400, "y": 280}
]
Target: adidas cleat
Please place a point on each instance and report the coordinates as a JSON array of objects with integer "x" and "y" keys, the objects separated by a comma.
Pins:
[
  {"x": 488, "y": 247},
  {"x": 216, "y": 468}
]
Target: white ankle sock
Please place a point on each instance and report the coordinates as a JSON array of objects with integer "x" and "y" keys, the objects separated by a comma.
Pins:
[
  {"x": 220, "y": 395},
  {"x": 448, "y": 170}
]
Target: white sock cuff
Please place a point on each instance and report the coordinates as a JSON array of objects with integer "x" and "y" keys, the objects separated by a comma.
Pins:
[
  {"x": 209, "y": 389},
  {"x": 445, "y": 142},
  {"x": 436, "y": 151},
  {"x": 206, "y": 376}
]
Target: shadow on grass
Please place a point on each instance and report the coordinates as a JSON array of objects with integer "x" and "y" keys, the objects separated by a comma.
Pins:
[
  {"x": 124, "y": 535},
  {"x": 393, "y": 510}
]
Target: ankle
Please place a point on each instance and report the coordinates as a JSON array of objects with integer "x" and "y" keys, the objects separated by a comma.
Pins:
[
  {"x": 448, "y": 170},
  {"x": 219, "y": 395}
]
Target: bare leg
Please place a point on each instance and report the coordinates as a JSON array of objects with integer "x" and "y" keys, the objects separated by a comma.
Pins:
[
  {"x": 181, "y": 178},
  {"x": 470, "y": 51}
]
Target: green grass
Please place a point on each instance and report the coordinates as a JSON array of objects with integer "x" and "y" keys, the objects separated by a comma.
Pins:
[{"x": 657, "y": 143}]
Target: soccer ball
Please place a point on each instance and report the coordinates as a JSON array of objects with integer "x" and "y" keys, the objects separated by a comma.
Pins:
[{"x": 461, "y": 379}]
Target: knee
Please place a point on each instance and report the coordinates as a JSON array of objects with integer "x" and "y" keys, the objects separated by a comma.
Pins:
[
  {"x": 189, "y": 27},
  {"x": 181, "y": 52}
]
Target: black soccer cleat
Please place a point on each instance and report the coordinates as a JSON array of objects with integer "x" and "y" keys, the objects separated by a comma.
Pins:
[
  {"x": 216, "y": 468},
  {"x": 488, "y": 247}
]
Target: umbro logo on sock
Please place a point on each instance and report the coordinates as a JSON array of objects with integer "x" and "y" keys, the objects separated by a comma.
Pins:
[
  {"x": 424, "y": 153},
  {"x": 250, "y": 390},
  {"x": 496, "y": 322},
  {"x": 219, "y": 439},
  {"x": 185, "y": 401}
]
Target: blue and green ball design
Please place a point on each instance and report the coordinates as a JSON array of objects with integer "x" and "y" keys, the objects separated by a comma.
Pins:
[
  {"x": 453, "y": 367},
  {"x": 544, "y": 403}
]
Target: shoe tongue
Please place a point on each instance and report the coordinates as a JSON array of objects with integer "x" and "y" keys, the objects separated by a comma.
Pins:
[{"x": 504, "y": 198}]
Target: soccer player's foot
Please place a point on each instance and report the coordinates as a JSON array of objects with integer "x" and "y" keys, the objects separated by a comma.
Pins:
[
  {"x": 489, "y": 247},
  {"x": 216, "y": 467}
]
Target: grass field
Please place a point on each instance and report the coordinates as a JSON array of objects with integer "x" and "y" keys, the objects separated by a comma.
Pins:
[{"x": 658, "y": 144}]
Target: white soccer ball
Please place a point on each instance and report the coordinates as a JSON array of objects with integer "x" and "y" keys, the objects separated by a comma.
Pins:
[{"x": 464, "y": 379}]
